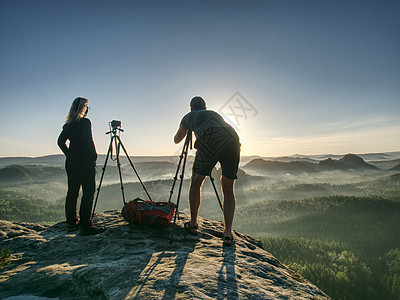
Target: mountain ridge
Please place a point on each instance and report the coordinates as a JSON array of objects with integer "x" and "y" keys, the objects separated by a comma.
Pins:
[
  {"x": 356, "y": 162},
  {"x": 345, "y": 163},
  {"x": 59, "y": 159},
  {"x": 295, "y": 167}
]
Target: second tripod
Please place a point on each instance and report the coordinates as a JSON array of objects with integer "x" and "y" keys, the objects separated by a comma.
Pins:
[
  {"x": 115, "y": 142},
  {"x": 183, "y": 156}
]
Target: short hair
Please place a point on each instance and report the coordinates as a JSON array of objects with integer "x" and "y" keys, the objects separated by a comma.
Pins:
[
  {"x": 77, "y": 110},
  {"x": 197, "y": 103}
]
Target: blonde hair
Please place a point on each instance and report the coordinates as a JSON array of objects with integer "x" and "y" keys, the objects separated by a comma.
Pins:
[{"x": 77, "y": 110}]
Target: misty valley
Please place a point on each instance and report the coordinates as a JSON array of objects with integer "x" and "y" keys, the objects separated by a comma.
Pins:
[{"x": 333, "y": 219}]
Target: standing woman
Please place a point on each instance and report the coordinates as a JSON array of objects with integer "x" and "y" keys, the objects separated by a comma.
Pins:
[{"x": 80, "y": 165}]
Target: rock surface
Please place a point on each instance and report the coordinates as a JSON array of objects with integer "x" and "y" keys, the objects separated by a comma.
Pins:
[{"x": 127, "y": 262}]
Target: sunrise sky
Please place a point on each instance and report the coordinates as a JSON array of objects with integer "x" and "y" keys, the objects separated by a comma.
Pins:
[{"x": 307, "y": 77}]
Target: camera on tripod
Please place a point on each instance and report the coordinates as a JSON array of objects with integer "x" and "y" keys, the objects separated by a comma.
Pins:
[{"x": 115, "y": 124}]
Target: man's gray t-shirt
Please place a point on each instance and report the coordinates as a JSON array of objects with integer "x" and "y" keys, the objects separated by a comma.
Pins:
[{"x": 211, "y": 130}]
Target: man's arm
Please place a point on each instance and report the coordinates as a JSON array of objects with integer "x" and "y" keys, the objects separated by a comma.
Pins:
[{"x": 180, "y": 134}]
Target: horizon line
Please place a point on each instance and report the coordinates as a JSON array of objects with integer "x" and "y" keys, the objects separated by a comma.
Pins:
[{"x": 250, "y": 155}]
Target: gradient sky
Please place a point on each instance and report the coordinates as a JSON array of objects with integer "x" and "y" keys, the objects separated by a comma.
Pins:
[{"x": 313, "y": 77}]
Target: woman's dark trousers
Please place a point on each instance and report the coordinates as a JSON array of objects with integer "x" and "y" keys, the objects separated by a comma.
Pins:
[{"x": 80, "y": 172}]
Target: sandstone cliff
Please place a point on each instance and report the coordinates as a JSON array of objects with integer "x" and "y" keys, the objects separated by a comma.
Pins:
[{"x": 129, "y": 262}]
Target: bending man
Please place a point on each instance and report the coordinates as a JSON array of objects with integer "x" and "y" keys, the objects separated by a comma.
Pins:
[{"x": 216, "y": 141}]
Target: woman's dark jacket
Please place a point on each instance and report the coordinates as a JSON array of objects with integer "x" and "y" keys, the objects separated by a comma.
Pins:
[{"x": 81, "y": 145}]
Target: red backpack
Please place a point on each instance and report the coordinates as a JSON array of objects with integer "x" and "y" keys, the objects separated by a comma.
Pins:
[{"x": 144, "y": 212}]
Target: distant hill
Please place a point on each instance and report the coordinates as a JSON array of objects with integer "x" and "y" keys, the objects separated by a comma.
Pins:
[
  {"x": 295, "y": 167},
  {"x": 385, "y": 156},
  {"x": 49, "y": 160},
  {"x": 347, "y": 162},
  {"x": 385, "y": 164},
  {"x": 14, "y": 174},
  {"x": 353, "y": 161},
  {"x": 380, "y": 156},
  {"x": 330, "y": 164},
  {"x": 18, "y": 173}
]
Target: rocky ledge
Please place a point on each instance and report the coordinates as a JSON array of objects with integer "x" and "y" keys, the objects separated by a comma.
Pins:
[{"x": 131, "y": 262}]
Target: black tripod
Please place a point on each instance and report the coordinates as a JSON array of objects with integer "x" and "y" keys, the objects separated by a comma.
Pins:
[
  {"x": 185, "y": 149},
  {"x": 117, "y": 143}
]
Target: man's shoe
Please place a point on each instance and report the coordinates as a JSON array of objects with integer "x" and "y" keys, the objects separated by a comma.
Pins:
[
  {"x": 91, "y": 230},
  {"x": 191, "y": 229}
]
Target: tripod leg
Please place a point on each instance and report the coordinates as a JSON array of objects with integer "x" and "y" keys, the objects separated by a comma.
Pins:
[
  {"x": 176, "y": 174},
  {"x": 101, "y": 178},
  {"x": 185, "y": 153},
  {"x": 133, "y": 167},
  {"x": 216, "y": 192},
  {"x": 117, "y": 147}
]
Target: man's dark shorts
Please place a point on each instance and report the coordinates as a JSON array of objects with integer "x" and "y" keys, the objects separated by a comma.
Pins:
[{"x": 227, "y": 153}]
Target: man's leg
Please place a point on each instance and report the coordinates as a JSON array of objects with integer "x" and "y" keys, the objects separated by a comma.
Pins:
[
  {"x": 194, "y": 196},
  {"x": 229, "y": 203}
]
